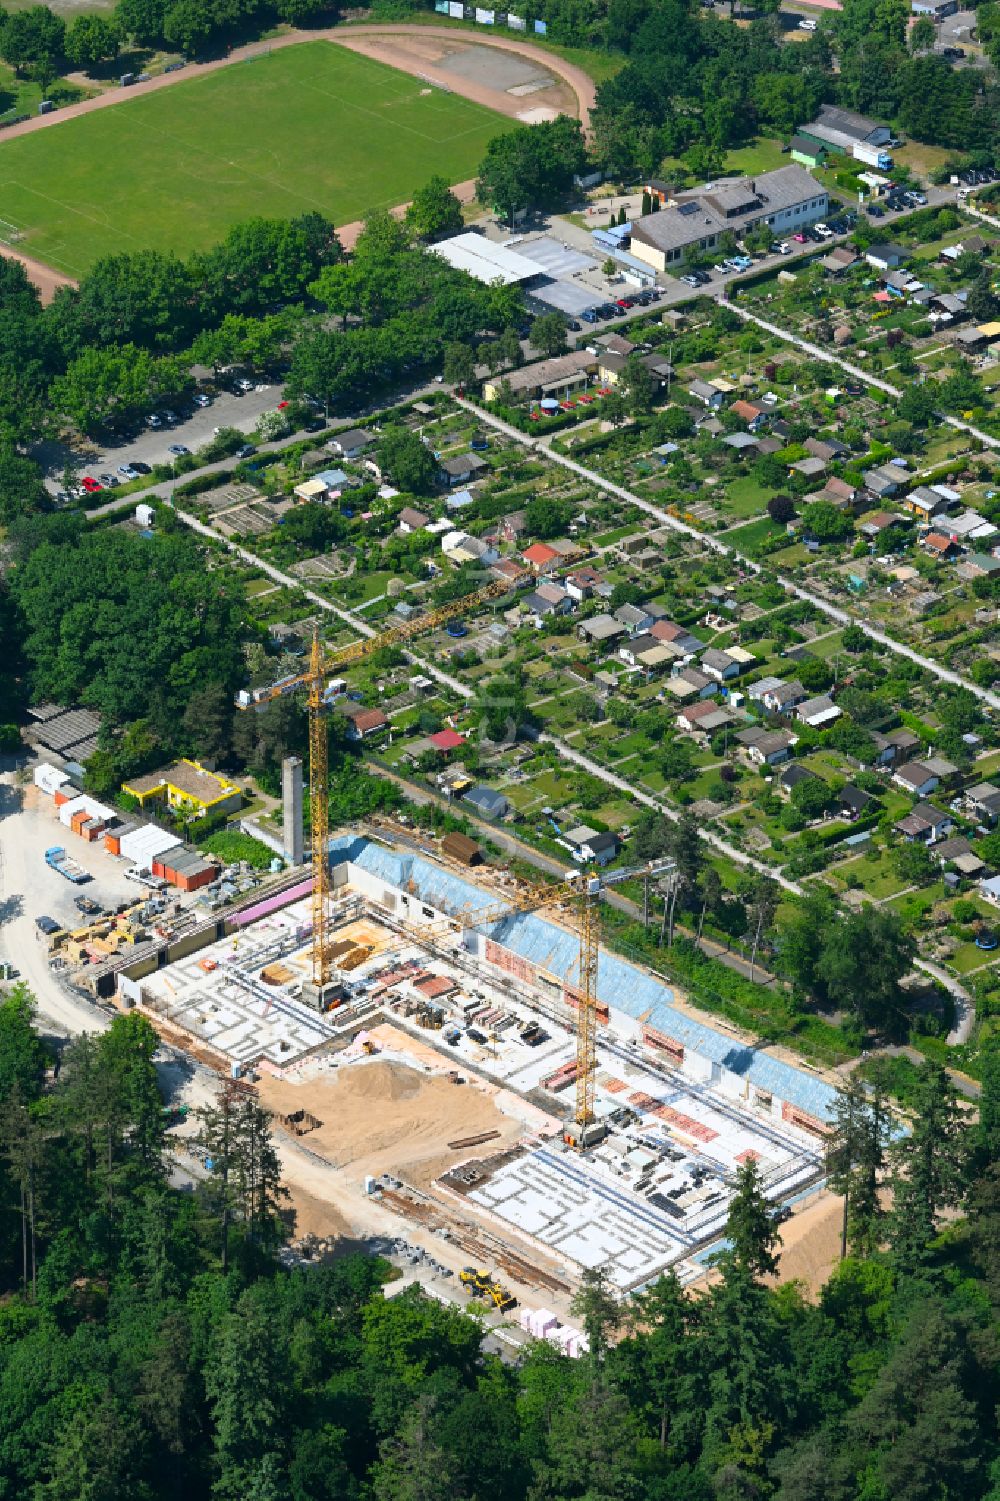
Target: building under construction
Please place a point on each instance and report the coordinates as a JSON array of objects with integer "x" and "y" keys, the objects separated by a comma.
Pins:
[{"x": 680, "y": 1103}]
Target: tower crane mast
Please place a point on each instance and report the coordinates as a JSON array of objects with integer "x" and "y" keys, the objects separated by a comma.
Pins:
[
  {"x": 320, "y": 664},
  {"x": 584, "y": 889}
]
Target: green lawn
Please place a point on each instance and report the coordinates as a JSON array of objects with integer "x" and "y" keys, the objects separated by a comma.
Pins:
[
  {"x": 765, "y": 155},
  {"x": 747, "y": 496},
  {"x": 750, "y": 538},
  {"x": 310, "y": 127}
]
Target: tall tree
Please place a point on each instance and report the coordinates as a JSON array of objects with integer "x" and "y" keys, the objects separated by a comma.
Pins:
[
  {"x": 856, "y": 1160},
  {"x": 928, "y": 1168},
  {"x": 434, "y": 211}
]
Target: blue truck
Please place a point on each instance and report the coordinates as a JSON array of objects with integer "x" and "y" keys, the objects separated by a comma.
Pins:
[{"x": 57, "y": 857}]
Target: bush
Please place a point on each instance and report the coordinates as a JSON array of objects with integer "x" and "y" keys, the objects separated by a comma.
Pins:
[{"x": 230, "y": 846}]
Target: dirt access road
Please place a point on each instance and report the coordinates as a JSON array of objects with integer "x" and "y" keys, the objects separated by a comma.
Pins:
[{"x": 440, "y": 54}]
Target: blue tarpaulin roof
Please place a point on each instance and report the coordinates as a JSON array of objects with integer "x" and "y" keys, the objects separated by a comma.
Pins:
[{"x": 619, "y": 984}]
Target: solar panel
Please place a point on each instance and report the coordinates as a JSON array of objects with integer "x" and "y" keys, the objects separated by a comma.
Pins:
[{"x": 688, "y": 208}]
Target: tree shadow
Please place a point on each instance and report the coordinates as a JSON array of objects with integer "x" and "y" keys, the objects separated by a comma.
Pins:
[{"x": 10, "y": 907}]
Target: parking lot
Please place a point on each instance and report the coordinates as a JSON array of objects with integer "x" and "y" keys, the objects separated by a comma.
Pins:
[{"x": 153, "y": 447}]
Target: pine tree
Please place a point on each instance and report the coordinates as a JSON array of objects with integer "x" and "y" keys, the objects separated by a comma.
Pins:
[
  {"x": 856, "y": 1160},
  {"x": 597, "y": 1307},
  {"x": 245, "y": 1174},
  {"x": 986, "y": 1138},
  {"x": 750, "y": 1230},
  {"x": 928, "y": 1170}
]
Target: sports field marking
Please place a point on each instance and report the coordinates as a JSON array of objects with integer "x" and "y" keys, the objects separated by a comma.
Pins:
[{"x": 314, "y": 127}]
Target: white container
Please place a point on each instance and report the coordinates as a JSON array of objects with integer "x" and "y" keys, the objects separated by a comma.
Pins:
[{"x": 48, "y": 778}]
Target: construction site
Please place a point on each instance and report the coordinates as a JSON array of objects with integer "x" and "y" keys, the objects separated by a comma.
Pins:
[
  {"x": 440, "y": 1074},
  {"x": 461, "y": 1069}
]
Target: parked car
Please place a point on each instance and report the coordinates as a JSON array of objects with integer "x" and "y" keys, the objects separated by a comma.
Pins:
[
  {"x": 90, "y": 484},
  {"x": 108, "y": 480},
  {"x": 246, "y": 451},
  {"x": 128, "y": 471},
  {"x": 140, "y": 467},
  {"x": 202, "y": 400},
  {"x": 178, "y": 449},
  {"x": 154, "y": 420}
]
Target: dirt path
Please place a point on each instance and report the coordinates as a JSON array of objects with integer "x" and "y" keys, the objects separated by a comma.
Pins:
[
  {"x": 45, "y": 278},
  {"x": 581, "y": 85},
  {"x": 410, "y": 49}
]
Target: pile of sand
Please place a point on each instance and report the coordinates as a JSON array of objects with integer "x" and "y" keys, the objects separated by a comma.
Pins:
[
  {"x": 384, "y": 1117},
  {"x": 810, "y": 1243}
]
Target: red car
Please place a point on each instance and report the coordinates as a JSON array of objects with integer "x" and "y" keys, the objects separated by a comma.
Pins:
[
  {"x": 90, "y": 484},
  {"x": 620, "y": 302},
  {"x": 799, "y": 239}
]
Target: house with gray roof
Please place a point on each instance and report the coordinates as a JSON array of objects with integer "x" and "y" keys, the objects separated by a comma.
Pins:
[{"x": 785, "y": 200}]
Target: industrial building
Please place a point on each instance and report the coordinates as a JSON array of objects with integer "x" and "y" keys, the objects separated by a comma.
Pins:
[
  {"x": 486, "y": 260},
  {"x": 639, "y": 1007},
  {"x": 840, "y": 130}
]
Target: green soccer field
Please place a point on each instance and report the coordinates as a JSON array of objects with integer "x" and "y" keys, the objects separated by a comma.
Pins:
[{"x": 308, "y": 127}]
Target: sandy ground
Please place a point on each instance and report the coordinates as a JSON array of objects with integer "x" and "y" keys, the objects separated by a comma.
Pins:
[
  {"x": 810, "y": 1243},
  {"x": 382, "y": 1116},
  {"x": 317, "y": 1217},
  {"x": 467, "y": 67},
  {"x": 44, "y": 277}
]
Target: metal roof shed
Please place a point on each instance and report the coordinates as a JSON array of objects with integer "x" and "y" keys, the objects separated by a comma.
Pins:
[{"x": 143, "y": 844}]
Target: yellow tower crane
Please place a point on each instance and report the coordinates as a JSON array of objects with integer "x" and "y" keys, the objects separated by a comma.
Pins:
[
  {"x": 320, "y": 664},
  {"x": 582, "y": 891}
]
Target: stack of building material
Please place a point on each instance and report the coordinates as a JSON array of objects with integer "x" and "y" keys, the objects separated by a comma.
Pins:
[
  {"x": 563, "y": 1077},
  {"x": 540, "y": 1321}
]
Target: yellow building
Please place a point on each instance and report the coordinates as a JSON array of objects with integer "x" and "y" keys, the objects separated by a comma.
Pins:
[{"x": 188, "y": 788}]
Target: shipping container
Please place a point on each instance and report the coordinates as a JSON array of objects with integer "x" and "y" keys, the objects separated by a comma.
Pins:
[{"x": 49, "y": 778}]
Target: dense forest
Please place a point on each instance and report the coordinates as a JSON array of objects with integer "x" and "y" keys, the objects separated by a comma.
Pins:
[{"x": 152, "y": 1345}]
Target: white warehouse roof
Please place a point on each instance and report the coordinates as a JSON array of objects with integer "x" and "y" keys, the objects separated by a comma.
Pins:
[
  {"x": 485, "y": 260},
  {"x": 143, "y": 844}
]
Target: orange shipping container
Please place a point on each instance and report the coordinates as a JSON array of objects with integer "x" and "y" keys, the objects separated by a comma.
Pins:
[
  {"x": 113, "y": 844},
  {"x": 61, "y": 797}
]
